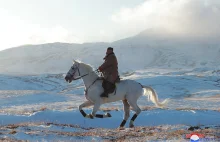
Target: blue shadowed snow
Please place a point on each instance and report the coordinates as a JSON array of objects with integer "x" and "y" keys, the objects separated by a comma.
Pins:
[
  {"x": 33, "y": 98},
  {"x": 194, "y": 101},
  {"x": 146, "y": 118}
]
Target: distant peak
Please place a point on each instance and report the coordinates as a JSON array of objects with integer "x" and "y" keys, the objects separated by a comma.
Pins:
[{"x": 154, "y": 32}]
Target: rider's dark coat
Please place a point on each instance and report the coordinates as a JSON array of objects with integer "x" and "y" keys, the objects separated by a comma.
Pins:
[{"x": 110, "y": 68}]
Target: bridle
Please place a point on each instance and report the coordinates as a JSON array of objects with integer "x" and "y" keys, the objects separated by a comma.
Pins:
[{"x": 80, "y": 76}]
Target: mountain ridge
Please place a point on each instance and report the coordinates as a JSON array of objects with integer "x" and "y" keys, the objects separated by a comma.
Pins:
[{"x": 134, "y": 53}]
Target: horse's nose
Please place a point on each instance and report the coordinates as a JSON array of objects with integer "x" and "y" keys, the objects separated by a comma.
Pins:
[{"x": 66, "y": 78}]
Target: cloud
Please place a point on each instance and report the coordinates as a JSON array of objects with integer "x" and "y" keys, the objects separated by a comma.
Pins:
[
  {"x": 53, "y": 34},
  {"x": 15, "y": 32},
  {"x": 183, "y": 17}
]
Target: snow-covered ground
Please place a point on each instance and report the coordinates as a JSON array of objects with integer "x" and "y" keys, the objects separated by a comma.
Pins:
[
  {"x": 39, "y": 100},
  {"x": 35, "y": 98}
]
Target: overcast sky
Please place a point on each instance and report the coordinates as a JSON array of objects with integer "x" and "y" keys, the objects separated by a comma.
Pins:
[{"x": 77, "y": 21}]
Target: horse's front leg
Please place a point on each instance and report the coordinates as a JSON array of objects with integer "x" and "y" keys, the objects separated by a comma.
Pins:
[
  {"x": 85, "y": 104},
  {"x": 95, "y": 109}
]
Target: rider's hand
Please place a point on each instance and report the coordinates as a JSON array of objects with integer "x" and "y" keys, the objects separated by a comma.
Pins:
[{"x": 100, "y": 69}]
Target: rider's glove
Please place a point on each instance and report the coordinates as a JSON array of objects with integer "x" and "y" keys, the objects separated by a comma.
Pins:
[{"x": 100, "y": 69}]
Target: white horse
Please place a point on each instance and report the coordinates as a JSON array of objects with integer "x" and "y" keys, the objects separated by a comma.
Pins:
[{"x": 127, "y": 90}]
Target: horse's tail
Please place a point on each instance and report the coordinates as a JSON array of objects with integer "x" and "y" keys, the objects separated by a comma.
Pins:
[{"x": 152, "y": 95}]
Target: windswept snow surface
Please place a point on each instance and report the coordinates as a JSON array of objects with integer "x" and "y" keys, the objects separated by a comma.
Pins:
[{"x": 194, "y": 100}]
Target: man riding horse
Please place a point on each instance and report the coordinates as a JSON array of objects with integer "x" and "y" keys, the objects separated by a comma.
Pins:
[
  {"x": 128, "y": 91},
  {"x": 109, "y": 70}
]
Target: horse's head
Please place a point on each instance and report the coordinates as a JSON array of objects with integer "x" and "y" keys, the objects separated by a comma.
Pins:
[{"x": 73, "y": 72}]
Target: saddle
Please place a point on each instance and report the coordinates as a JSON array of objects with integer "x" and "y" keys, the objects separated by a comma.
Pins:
[{"x": 108, "y": 86}]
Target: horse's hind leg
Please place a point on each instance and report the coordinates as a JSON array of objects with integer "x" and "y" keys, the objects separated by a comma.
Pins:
[
  {"x": 126, "y": 113},
  {"x": 136, "y": 109},
  {"x": 85, "y": 104}
]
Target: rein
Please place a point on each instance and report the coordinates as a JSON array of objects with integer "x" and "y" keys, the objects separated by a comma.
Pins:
[{"x": 80, "y": 76}]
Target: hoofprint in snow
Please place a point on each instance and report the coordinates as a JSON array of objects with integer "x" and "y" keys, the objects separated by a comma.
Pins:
[{"x": 45, "y": 107}]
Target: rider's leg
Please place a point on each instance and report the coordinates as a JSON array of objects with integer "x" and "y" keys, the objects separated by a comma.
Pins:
[{"x": 105, "y": 87}]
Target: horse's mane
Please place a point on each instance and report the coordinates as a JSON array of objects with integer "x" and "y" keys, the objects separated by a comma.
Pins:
[{"x": 87, "y": 66}]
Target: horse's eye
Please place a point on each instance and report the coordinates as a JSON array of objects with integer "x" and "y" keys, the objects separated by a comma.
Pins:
[{"x": 72, "y": 68}]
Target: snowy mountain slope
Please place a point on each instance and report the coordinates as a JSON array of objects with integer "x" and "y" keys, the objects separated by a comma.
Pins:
[
  {"x": 146, "y": 50},
  {"x": 38, "y": 59}
]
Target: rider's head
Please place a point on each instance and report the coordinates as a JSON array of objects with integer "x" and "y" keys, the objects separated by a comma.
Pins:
[{"x": 109, "y": 50}]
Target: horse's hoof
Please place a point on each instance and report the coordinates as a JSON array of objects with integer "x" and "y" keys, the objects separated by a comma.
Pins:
[
  {"x": 131, "y": 126},
  {"x": 108, "y": 114},
  {"x": 121, "y": 128},
  {"x": 90, "y": 116}
]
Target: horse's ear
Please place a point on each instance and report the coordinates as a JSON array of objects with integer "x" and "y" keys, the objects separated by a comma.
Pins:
[{"x": 75, "y": 61}]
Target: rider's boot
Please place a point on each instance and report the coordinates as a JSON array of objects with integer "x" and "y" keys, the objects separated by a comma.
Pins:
[{"x": 104, "y": 94}]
